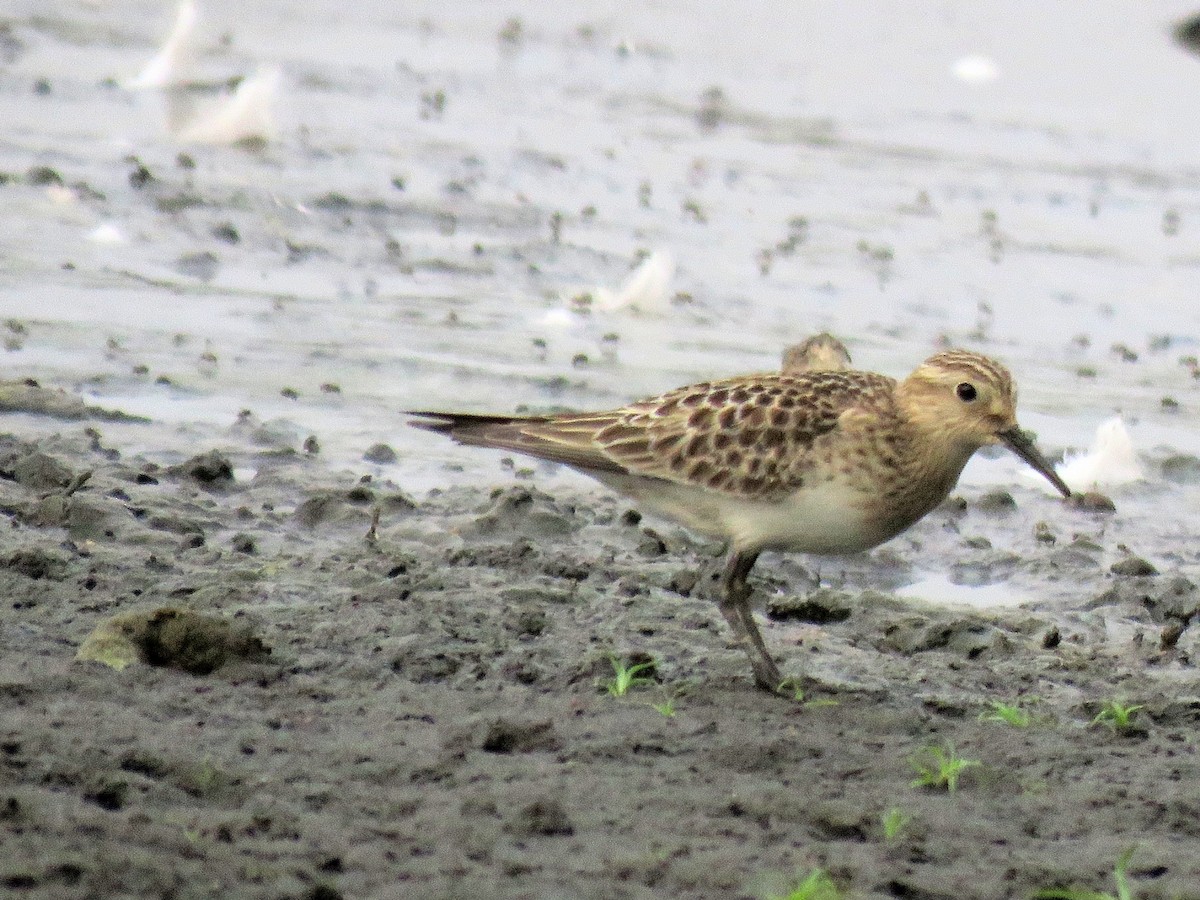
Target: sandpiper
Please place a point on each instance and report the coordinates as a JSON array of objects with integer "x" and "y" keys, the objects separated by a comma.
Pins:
[
  {"x": 819, "y": 353},
  {"x": 831, "y": 461}
]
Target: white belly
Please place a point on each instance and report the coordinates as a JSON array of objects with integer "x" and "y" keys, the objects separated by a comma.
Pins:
[{"x": 826, "y": 518}]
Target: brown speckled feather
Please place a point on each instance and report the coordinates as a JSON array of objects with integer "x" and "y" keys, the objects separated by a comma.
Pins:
[{"x": 749, "y": 436}]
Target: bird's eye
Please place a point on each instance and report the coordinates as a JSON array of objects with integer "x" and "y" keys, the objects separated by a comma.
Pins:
[{"x": 966, "y": 392}]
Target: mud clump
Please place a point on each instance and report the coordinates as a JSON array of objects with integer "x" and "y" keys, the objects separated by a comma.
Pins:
[
  {"x": 30, "y": 397},
  {"x": 509, "y": 736},
  {"x": 1092, "y": 501},
  {"x": 381, "y": 454},
  {"x": 39, "y": 471},
  {"x": 525, "y": 512},
  {"x": 170, "y": 637},
  {"x": 822, "y": 607},
  {"x": 544, "y": 817},
  {"x": 1133, "y": 567},
  {"x": 211, "y": 468},
  {"x": 968, "y": 637},
  {"x": 36, "y": 564},
  {"x": 996, "y": 502}
]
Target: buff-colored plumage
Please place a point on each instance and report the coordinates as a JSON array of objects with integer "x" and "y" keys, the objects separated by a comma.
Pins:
[
  {"x": 825, "y": 461},
  {"x": 819, "y": 353}
]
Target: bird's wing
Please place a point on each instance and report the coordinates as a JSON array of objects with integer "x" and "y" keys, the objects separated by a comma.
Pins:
[{"x": 750, "y": 436}]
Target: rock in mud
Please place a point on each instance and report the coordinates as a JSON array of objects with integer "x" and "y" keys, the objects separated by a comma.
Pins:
[
  {"x": 39, "y": 471},
  {"x": 171, "y": 637},
  {"x": 996, "y": 502},
  {"x": 323, "y": 507},
  {"x": 381, "y": 454},
  {"x": 527, "y": 512},
  {"x": 1092, "y": 501},
  {"x": 820, "y": 607},
  {"x": 967, "y": 637},
  {"x": 211, "y": 468},
  {"x": 544, "y": 817},
  {"x": 1134, "y": 567},
  {"x": 30, "y": 397},
  {"x": 512, "y": 736},
  {"x": 36, "y": 564}
]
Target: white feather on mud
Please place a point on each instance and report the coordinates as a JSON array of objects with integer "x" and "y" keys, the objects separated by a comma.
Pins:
[
  {"x": 647, "y": 289},
  {"x": 1109, "y": 462},
  {"x": 174, "y": 62},
  {"x": 107, "y": 233},
  {"x": 247, "y": 114}
]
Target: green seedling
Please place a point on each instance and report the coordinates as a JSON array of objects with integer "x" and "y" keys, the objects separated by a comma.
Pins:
[
  {"x": 791, "y": 686},
  {"x": 940, "y": 767},
  {"x": 626, "y": 677},
  {"x": 815, "y": 886},
  {"x": 1006, "y": 713},
  {"x": 894, "y": 821},
  {"x": 666, "y": 708},
  {"x": 1120, "y": 875},
  {"x": 1116, "y": 715},
  {"x": 794, "y": 687}
]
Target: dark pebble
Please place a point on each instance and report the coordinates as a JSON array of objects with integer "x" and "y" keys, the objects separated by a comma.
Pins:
[
  {"x": 1133, "y": 566},
  {"x": 210, "y": 468},
  {"x": 820, "y": 608},
  {"x": 1092, "y": 501},
  {"x": 381, "y": 454},
  {"x": 997, "y": 501},
  {"x": 543, "y": 817}
]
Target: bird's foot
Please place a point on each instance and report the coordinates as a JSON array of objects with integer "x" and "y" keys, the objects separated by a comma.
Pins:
[{"x": 766, "y": 674}]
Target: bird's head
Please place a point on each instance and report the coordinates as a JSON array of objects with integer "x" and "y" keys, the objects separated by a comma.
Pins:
[{"x": 968, "y": 401}]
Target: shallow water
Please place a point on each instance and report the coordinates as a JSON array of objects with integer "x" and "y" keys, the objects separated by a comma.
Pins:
[
  {"x": 940, "y": 590},
  {"x": 397, "y": 240}
]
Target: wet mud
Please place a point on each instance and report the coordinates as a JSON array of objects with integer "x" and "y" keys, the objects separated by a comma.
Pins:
[{"x": 425, "y": 712}]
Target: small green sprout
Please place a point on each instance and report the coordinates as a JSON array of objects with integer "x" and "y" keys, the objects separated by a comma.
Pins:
[
  {"x": 795, "y": 687},
  {"x": 1116, "y": 715},
  {"x": 1006, "y": 713},
  {"x": 940, "y": 767},
  {"x": 665, "y": 708},
  {"x": 626, "y": 677},
  {"x": 815, "y": 886},
  {"x": 1120, "y": 875},
  {"x": 894, "y": 820}
]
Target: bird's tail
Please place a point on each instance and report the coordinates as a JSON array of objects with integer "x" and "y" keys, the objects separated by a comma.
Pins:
[{"x": 566, "y": 439}]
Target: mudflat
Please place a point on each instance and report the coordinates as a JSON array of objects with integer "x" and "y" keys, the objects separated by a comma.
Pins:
[{"x": 422, "y": 711}]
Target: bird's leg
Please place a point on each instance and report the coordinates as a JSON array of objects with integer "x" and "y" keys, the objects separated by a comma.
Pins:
[
  {"x": 718, "y": 584},
  {"x": 734, "y": 602}
]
